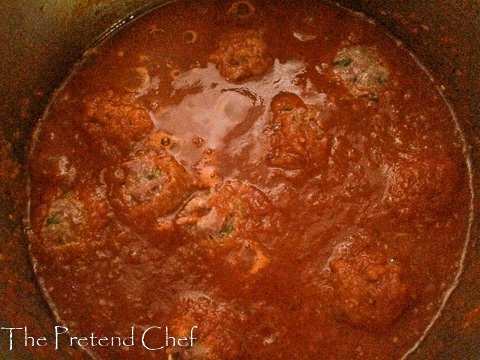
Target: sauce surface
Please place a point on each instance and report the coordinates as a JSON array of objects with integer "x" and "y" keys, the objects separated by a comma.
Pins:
[{"x": 284, "y": 177}]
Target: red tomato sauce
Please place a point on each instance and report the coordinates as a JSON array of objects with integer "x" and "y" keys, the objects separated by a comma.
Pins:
[{"x": 282, "y": 175}]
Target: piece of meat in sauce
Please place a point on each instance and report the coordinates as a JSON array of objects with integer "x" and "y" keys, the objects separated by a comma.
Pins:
[
  {"x": 361, "y": 70},
  {"x": 369, "y": 289},
  {"x": 242, "y": 54},
  {"x": 72, "y": 218},
  {"x": 230, "y": 221},
  {"x": 115, "y": 120},
  {"x": 205, "y": 169},
  {"x": 297, "y": 138},
  {"x": 421, "y": 188},
  {"x": 217, "y": 328},
  {"x": 147, "y": 187}
]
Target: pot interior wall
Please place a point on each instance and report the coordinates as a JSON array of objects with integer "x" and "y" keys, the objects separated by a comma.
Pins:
[{"x": 42, "y": 39}]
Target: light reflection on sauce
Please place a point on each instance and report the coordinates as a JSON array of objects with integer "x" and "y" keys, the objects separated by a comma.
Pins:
[{"x": 226, "y": 116}]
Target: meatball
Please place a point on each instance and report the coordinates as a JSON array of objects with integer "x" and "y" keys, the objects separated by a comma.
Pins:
[
  {"x": 225, "y": 212},
  {"x": 242, "y": 54},
  {"x": 368, "y": 287},
  {"x": 421, "y": 188},
  {"x": 361, "y": 70},
  {"x": 151, "y": 185},
  {"x": 297, "y": 138},
  {"x": 217, "y": 325},
  {"x": 231, "y": 221},
  {"x": 114, "y": 120},
  {"x": 73, "y": 218}
]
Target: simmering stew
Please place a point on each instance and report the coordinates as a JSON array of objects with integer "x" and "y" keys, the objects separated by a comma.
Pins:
[{"x": 259, "y": 180}]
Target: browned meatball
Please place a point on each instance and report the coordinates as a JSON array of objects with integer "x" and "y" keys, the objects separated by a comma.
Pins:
[
  {"x": 111, "y": 119},
  {"x": 224, "y": 212},
  {"x": 147, "y": 187},
  {"x": 368, "y": 287},
  {"x": 217, "y": 325},
  {"x": 421, "y": 188},
  {"x": 73, "y": 218},
  {"x": 241, "y": 55},
  {"x": 230, "y": 221},
  {"x": 361, "y": 70},
  {"x": 297, "y": 138}
]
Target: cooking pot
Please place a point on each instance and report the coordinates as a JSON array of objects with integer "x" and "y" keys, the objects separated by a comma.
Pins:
[{"x": 42, "y": 39}]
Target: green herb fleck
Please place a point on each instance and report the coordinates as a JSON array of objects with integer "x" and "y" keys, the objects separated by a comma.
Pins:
[
  {"x": 343, "y": 62},
  {"x": 153, "y": 174},
  {"x": 227, "y": 230},
  {"x": 53, "y": 220}
]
